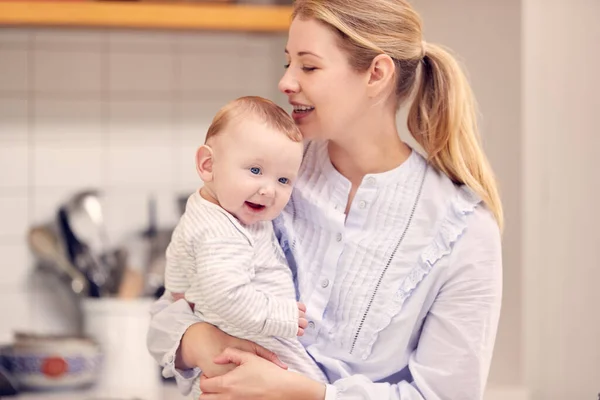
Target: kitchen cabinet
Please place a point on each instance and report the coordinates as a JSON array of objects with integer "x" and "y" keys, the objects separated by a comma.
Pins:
[{"x": 146, "y": 15}]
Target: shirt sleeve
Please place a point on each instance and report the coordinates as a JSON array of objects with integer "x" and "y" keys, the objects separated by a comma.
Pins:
[
  {"x": 223, "y": 285},
  {"x": 455, "y": 348},
  {"x": 169, "y": 321},
  {"x": 179, "y": 261}
]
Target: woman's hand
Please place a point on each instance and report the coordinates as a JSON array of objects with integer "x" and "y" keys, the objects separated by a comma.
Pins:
[
  {"x": 257, "y": 379},
  {"x": 203, "y": 342}
]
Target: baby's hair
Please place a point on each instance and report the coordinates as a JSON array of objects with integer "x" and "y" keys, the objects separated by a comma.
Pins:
[{"x": 267, "y": 111}]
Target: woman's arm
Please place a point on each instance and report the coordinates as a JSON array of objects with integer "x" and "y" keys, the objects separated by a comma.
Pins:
[
  {"x": 454, "y": 353},
  {"x": 254, "y": 379},
  {"x": 183, "y": 345}
]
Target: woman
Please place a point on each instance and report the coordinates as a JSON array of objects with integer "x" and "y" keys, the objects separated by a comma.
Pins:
[{"x": 397, "y": 257}]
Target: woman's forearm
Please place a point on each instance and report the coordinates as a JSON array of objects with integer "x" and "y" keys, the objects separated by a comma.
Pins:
[
  {"x": 303, "y": 388},
  {"x": 199, "y": 346}
]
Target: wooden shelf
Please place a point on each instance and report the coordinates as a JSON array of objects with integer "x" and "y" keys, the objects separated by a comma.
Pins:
[{"x": 173, "y": 15}]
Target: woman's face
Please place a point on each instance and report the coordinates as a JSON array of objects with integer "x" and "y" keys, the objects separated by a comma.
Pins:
[{"x": 327, "y": 94}]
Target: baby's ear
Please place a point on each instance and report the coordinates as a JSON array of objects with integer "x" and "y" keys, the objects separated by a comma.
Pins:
[{"x": 204, "y": 163}]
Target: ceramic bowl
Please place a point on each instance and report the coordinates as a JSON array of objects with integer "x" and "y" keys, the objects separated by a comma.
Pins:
[{"x": 53, "y": 362}]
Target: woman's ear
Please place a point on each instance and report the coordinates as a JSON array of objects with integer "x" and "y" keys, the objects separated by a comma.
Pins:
[
  {"x": 381, "y": 72},
  {"x": 204, "y": 163}
]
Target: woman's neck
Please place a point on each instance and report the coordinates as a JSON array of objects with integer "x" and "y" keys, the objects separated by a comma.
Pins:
[{"x": 379, "y": 153}]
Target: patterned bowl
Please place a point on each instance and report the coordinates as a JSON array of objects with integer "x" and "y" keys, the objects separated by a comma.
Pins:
[{"x": 52, "y": 362}]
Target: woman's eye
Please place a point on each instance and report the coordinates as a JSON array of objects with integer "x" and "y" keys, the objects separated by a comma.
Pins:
[
  {"x": 285, "y": 181},
  {"x": 255, "y": 170},
  {"x": 304, "y": 68}
]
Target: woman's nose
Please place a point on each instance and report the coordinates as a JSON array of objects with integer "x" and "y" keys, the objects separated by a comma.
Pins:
[{"x": 288, "y": 84}]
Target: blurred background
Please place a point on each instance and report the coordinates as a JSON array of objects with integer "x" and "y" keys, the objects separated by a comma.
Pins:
[{"x": 99, "y": 124}]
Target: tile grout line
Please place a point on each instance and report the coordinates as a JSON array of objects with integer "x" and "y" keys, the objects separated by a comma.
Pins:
[
  {"x": 31, "y": 192},
  {"x": 105, "y": 109},
  {"x": 177, "y": 129},
  {"x": 31, "y": 189}
]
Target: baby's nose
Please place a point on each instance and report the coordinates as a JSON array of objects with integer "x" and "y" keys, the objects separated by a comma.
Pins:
[{"x": 267, "y": 191}]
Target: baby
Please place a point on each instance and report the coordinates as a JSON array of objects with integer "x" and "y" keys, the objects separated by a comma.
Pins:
[{"x": 224, "y": 256}]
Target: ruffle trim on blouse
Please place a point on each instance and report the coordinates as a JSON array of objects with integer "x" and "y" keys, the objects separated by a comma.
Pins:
[{"x": 451, "y": 229}]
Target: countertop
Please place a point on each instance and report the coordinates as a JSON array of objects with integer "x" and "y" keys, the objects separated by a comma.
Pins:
[{"x": 170, "y": 392}]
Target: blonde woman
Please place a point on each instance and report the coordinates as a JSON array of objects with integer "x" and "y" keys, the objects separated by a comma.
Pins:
[{"x": 397, "y": 256}]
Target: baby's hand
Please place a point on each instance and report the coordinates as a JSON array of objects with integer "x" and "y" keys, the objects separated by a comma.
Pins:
[
  {"x": 302, "y": 322},
  {"x": 179, "y": 296}
]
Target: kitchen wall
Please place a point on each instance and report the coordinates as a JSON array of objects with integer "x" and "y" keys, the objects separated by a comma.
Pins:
[
  {"x": 561, "y": 64},
  {"x": 486, "y": 38},
  {"x": 122, "y": 111}
]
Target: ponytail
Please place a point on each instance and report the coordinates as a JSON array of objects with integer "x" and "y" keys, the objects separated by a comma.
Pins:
[{"x": 443, "y": 120}]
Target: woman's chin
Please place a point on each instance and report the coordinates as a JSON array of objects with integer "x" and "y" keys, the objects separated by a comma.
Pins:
[{"x": 311, "y": 132}]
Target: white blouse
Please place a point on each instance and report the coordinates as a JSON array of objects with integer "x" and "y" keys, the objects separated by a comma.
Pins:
[{"x": 403, "y": 294}]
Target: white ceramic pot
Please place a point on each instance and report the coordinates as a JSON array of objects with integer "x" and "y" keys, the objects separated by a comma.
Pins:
[{"x": 120, "y": 327}]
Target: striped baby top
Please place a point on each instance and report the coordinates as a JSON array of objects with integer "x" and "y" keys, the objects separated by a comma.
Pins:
[{"x": 238, "y": 279}]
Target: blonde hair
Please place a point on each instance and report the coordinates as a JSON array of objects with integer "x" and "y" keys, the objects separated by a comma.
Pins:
[
  {"x": 442, "y": 118},
  {"x": 267, "y": 112}
]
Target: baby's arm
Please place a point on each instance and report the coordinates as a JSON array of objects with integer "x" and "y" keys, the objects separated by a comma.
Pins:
[
  {"x": 223, "y": 285},
  {"x": 179, "y": 259}
]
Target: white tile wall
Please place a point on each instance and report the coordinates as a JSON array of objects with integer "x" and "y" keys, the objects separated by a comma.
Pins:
[
  {"x": 14, "y": 68},
  {"x": 44, "y": 201},
  {"x": 60, "y": 122},
  {"x": 13, "y": 214},
  {"x": 15, "y": 259},
  {"x": 67, "y": 70},
  {"x": 15, "y": 309},
  {"x": 65, "y": 166},
  {"x": 88, "y": 39},
  {"x": 14, "y": 118},
  {"x": 118, "y": 110},
  {"x": 13, "y": 165},
  {"x": 141, "y": 123},
  {"x": 133, "y": 71}
]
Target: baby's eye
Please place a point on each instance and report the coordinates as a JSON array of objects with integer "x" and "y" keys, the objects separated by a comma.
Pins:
[
  {"x": 255, "y": 170},
  {"x": 285, "y": 181}
]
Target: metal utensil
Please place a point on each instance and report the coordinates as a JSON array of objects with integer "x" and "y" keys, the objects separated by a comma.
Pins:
[
  {"x": 89, "y": 203},
  {"x": 80, "y": 255},
  {"x": 45, "y": 245},
  {"x": 83, "y": 225}
]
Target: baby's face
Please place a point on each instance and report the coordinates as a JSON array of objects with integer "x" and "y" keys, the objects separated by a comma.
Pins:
[{"x": 254, "y": 169}]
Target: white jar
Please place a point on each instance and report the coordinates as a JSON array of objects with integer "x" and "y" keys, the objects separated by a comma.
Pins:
[{"x": 120, "y": 327}]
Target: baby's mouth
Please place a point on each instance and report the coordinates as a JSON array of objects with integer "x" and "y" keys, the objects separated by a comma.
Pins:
[{"x": 255, "y": 206}]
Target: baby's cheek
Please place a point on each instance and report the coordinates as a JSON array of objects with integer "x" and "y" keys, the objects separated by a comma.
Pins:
[{"x": 279, "y": 208}]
